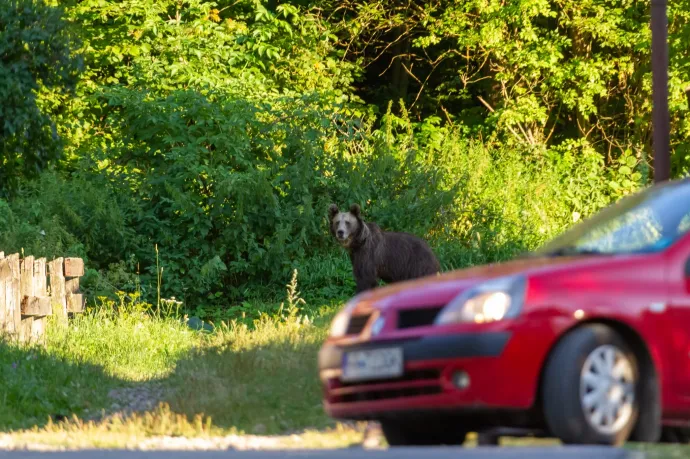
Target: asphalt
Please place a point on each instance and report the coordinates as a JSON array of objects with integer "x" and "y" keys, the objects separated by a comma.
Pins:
[{"x": 571, "y": 452}]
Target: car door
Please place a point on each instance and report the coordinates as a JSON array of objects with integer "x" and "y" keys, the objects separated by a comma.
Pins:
[{"x": 677, "y": 334}]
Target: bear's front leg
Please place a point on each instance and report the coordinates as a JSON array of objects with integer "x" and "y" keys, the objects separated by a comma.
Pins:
[
  {"x": 364, "y": 273},
  {"x": 365, "y": 284}
]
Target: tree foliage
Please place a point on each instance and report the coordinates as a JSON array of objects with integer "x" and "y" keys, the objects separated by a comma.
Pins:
[
  {"x": 205, "y": 139},
  {"x": 36, "y": 63},
  {"x": 536, "y": 72}
]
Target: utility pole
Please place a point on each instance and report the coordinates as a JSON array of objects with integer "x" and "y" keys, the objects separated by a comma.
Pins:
[{"x": 661, "y": 124}]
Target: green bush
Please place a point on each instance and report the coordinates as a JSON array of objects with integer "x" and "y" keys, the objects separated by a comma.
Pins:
[
  {"x": 206, "y": 140},
  {"x": 221, "y": 198},
  {"x": 232, "y": 192},
  {"x": 37, "y": 69},
  {"x": 78, "y": 215}
]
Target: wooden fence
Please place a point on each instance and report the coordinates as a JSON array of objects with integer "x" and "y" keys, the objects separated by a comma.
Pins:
[{"x": 28, "y": 295}]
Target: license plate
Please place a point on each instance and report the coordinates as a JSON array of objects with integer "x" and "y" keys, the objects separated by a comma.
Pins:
[{"x": 372, "y": 364}]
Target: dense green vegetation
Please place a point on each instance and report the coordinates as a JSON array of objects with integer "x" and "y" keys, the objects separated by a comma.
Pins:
[{"x": 199, "y": 143}]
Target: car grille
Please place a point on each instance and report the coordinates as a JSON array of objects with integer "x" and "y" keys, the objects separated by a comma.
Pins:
[
  {"x": 357, "y": 324},
  {"x": 410, "y": 318},
  {"x": 412, "y": 384},
  {"x": 389, "y": 394}
]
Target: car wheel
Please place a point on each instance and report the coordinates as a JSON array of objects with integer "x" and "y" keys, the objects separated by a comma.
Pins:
[
  {"x": 422, "y": 433},
  {"x": 590, "y": 387}
]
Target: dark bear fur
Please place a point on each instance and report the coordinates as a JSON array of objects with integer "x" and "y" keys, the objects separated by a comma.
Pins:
[{"x": 376, "y": 254}]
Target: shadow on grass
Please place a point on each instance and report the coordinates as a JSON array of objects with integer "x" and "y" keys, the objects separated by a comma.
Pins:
[
  {"x": 269, "y": 389},
  {"x": 38, "y": 387},
  {"x": 263, "y": 382}
]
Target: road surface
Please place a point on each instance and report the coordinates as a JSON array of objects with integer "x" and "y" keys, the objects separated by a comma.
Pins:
[{"x": 574, "y": 452}]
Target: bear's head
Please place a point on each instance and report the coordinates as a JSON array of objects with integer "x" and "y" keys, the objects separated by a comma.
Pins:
[{"x": 346, "y": 227}]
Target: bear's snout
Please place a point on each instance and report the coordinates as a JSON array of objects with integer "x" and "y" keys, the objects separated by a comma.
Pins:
[{"x": 341, "y": 234}]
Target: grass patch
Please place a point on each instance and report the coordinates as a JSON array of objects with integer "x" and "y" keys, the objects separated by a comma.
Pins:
[
  {"x": 136, "y": 433},
  {"x": 117, "y": 431},
  {"x": 126, "y": 340},
  {"x": 253, "y": 376},
  {"x": 661, "y": 451},
  {"x": 39, "y": 385},
  {"x": 261, "y": 381}
]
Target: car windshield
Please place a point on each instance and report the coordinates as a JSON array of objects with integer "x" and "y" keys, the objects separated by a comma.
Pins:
[{"x": 646, "y": 222}]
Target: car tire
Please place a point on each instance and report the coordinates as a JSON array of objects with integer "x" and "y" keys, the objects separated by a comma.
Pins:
[
  {"x": 421, "y": 433},
  {"x": 591, "y": 387}
]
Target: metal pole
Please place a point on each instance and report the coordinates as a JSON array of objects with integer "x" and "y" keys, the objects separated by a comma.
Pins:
[{"x": 660, "y": 116}]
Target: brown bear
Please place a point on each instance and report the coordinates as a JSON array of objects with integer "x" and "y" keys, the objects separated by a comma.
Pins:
[{"x": 376, "y": 254}]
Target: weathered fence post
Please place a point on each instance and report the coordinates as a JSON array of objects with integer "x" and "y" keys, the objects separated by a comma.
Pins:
[
  {"x": 26, "y": 300},
  {"x": 13, "y": 318},
  {"x": 5, "y": 274},
  {"x": 38, "y": 327},
  {"x": 35, "y": 302},
  {"x": 74, "y": 269},
  {"x": 57, "y": 290},
  {"x": 27, "y": 292}
]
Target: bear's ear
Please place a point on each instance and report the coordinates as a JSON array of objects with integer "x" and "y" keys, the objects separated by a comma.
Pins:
[
  {"x": 354, "y": 210},
  {"x": 332, "y": 211}
]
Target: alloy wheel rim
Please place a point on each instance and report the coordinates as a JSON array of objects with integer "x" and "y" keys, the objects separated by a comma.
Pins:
[{"x": 607, "y": 389}]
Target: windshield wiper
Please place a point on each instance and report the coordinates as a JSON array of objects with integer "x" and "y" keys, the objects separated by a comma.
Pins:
[
  {"x": 567, "y": 251},
  {"x": 572, "y": 251}
]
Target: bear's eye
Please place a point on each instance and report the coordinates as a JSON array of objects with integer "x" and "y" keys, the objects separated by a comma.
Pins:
[{"x": 347, "y": 223}]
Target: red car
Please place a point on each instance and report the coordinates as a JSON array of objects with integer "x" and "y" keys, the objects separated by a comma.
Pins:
[{"x": 586, "y": 340}]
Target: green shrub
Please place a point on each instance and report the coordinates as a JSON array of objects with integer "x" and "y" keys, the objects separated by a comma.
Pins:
[
  {"x": 206, "y": 140},
  {"x": 37, "y": 69},
  {"x": 78, "y": 215},
  {"x": 221, "y": 199}
]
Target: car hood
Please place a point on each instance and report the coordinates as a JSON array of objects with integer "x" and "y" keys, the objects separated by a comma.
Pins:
[{"x": 438, "y": 290}]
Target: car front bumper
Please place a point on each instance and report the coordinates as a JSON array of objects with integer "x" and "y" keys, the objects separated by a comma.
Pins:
[{"x": 490, "y": 360}]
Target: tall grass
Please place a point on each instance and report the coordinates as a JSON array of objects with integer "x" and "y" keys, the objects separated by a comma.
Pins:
[{"x": 129, "y": 339}]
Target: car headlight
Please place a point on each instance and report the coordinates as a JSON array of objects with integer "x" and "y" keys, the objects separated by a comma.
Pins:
[
  {"x": 342, "y": 319},
  {"x": 493, "y": 300}
]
